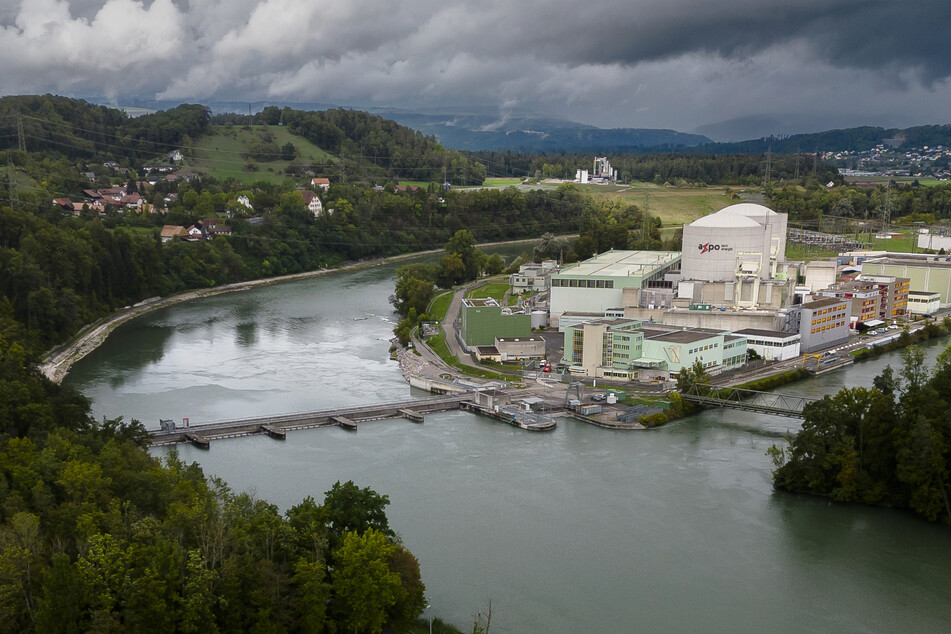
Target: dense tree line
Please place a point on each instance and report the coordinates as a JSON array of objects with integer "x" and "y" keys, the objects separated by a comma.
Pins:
[
  {"x": 75, "y": 129},
  {"x": 889, "y": 444},
  {"x": 660, "y": 168},
  {"x": 903, "y": 200}
]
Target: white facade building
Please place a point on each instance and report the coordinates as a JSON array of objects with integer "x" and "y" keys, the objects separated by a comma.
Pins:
[{"x": 772, "y": 345}]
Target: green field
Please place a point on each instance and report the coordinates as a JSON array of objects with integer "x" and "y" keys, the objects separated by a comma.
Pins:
[
  {"x": 496, "y": 290},
  {"x": 439, "y": 306},
  {"x": 501, "y": 182},
  {"x": 675, "y": 206},
  {"x": 222, "y": 153}
]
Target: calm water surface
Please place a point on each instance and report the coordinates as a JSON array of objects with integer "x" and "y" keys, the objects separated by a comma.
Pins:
[{"x": 579, "y": 530}]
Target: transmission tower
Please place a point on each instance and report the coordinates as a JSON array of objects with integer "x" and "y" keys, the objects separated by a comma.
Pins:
[
  {"x": 21, "y": 138},
  {"x": 887, "y": 210},
  {"x": 769, "y": 159},
  {"x": 12, "y": 183}
]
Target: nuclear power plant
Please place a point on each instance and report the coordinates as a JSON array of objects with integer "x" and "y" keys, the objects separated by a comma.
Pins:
[{"x": 736, "y": 257}]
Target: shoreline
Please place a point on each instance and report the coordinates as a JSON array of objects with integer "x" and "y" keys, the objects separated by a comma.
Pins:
[{"x": 56, "y": 363}]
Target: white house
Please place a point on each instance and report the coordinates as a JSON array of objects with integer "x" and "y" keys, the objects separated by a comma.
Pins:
[
  {"x": 313, "y": 202},
  {"x": 245, "y": 201}
]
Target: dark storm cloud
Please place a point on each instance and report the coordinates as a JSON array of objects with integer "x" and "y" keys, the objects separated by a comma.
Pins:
[
  {"x": 867, "y": 34},
  {"x": 657, "y": 63}
]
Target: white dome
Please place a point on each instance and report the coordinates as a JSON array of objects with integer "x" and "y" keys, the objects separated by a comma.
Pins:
[
  {"x": 750, "y": 210},
  {"x": 728, "y": 220}
]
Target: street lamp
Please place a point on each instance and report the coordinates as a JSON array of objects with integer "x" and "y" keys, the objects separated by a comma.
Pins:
[{"x": 428, "y": 605}]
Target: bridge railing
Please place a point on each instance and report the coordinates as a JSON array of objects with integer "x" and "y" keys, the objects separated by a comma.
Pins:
[{"x": 751, "y": 400}]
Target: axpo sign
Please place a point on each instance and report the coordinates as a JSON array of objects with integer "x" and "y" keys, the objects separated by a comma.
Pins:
[{"x": 709, "y": 246}]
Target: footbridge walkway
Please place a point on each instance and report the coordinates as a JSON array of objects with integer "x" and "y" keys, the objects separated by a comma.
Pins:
[
  {"x": 277, "y": 426},
  {"x": 749, "y": 400}
]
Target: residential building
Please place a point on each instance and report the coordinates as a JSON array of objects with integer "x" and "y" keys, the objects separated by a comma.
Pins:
[
  {"x": 170, "y": 232},
  {"x": 482, "y": 320},
  {"x": 824, "y": 323},
  {"x": 772, "y": 345},
  {"x": 313, "y": 202},
  {"x": 323, "y": 183}
]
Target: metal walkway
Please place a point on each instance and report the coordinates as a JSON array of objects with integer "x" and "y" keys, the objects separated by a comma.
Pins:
[{"x": 749, "y": 400}]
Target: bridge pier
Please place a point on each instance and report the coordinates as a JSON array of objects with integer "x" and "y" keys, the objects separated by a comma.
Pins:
[
  {"x": 274, "y": 432},
  {"x": 410, "y": 415},
  {"x": 199, "y": 441},
  {"x": 346, "y": 423}
]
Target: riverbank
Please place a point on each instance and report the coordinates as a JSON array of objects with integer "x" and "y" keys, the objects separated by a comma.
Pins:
[{"x": 57, "y": 361}]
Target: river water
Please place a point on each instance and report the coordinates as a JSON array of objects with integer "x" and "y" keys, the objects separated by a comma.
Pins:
[{"x": 577, "y": 530}]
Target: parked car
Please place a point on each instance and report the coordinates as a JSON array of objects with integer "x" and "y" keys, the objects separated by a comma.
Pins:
[{"x": 598, "y": 397}]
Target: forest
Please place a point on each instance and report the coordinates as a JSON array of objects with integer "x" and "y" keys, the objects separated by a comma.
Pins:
[
  {"x": 887, "y": 445},
  {"x": 670, "y": 168}
]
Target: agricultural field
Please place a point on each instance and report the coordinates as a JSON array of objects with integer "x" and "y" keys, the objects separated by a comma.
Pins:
[
  {"x": 674, "y": 205},
  {"x": 223, "y": 153}
]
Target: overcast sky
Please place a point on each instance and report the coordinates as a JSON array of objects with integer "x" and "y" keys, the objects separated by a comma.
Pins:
[{"x": 779, "y": 66}]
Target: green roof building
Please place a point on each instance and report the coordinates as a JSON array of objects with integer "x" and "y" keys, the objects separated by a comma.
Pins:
[{"x": 482, "y": 320}]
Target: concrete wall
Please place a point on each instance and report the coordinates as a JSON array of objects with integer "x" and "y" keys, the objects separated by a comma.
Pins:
[{"x": 722, "y": 320}]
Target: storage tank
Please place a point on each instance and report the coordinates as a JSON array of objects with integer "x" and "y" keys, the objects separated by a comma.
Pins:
[{"x": 539, "y": 319}]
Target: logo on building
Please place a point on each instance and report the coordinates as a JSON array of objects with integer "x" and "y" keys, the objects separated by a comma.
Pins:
[{"x": 707, "y": 247}]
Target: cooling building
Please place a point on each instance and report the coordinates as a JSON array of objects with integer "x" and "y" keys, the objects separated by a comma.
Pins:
[{"x": 735, "y": 252}]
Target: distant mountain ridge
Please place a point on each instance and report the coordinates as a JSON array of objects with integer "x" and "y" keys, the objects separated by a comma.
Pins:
[
  {"x": 848, "y": 139},
  {"x": 536, "y": 134}
]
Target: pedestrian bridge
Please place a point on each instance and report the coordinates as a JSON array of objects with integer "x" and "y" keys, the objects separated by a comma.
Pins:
[{"x": 749, "y": 400}]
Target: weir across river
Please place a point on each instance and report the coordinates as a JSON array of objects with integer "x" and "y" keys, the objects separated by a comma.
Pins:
[{"x": 277, "y": 426}]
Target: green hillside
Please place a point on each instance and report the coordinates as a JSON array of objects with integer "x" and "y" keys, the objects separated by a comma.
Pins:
[{"x": 253, "y": 153}]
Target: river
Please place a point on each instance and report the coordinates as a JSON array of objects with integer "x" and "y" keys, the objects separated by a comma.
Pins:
[{"x": 581, "y": 529}]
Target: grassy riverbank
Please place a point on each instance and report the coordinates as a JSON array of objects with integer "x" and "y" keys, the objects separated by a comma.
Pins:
[
  {"x": 680, "y": 408},
  {"x": 931, "y": 330}
]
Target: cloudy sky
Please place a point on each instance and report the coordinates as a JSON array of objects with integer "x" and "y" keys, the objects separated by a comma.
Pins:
[{"x": 768, "y": 66}]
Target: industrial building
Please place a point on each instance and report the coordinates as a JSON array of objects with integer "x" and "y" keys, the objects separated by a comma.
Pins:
[
  {"x": 825, "y": 323},
  {"x": 512, "y": 349},
  {"x": 865, "y": 295},
  {"x": 741, "y": 246},
  {"x": 598, "y": 284},
  {"x": 925, "y": 272},
  {"x": 772, "y": 345},
  {"x": 533, "y": 277},
  {"x": 631, "y": 349},
  {"x": 925, "y": 303},
  {"x": 482, "y": 320}
]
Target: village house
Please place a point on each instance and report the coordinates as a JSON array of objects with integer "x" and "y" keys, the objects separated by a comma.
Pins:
[
  {"x": 323, "y": 183},
  {"x": 170, "y": 232},
  {"x": 313, "y": 202}
]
